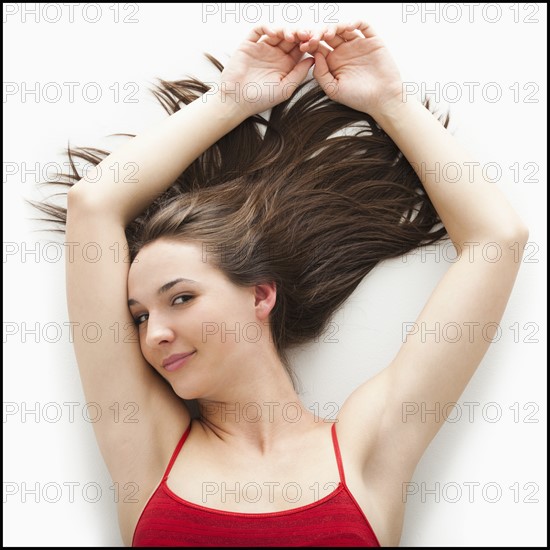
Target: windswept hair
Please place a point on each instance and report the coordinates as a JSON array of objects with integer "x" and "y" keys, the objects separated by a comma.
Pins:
[{"x": 312, "y": 198}]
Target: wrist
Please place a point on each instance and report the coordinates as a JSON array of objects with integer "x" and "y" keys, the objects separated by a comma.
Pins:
[
  {"x": 225, "y": 107},
  {"x": 392, "y": 112}
]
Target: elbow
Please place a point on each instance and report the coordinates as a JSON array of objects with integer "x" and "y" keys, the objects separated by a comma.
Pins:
[
  {"x": 518, "y": 233},
  {"x": 511, "y": 237},
  {"x": 75, "y": 194},
  {"x": 86, "y": 202},
  {"x": 523, "y": 234},
  {"x": 79, "y": 197},
  {"x": 510, "y": 232},
  {"x": 513, "y": 240}
]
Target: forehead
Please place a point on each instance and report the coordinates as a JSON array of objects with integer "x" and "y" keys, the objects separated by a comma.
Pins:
[{"x": 156, "y": 262}]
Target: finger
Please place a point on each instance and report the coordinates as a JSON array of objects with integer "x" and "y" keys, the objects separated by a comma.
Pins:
[
  {"x": 312, "y": 44},
  {"x": 335, "y": 41},
  {"x": 345, "y": 32},
  {"x": 258, "y": 32},
  {"x": 343, "y": 27},
  {"x": 364, "y": 28},
  {"x": 303, "y": 35},
  {"x": 296, "y": 53},
  {"x": 291, "y": 35},
  {"x": 281, "y": 43},
  {"x": 324, "y": 49},
  {"x": 307, "y": 46},
  {"x": 297, "y": 75},
  {"x": 317, "y": 36},
  {"x": 285, "y": 34},
  {"x": 332, "y": 38},
  {"x": 279, "y": 38},
  {"x": 350, "y": 35},
  {"x": 288, "y": 47},
  {"x": 271, "y": 40},
  {"x": 323, "y": 75}
]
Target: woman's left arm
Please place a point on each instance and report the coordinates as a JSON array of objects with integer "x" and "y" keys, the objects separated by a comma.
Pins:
[
  {"x": 472, "y": 208},
  {"x": 448, "y": 340},
  {"x": 430, "y": 370}
]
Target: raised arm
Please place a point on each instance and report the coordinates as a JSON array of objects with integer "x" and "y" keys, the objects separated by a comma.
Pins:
[
  {"x": 271, "y": 66},
  {"x": 431, "y": 369},
  {"x": 142, "y": 418}
]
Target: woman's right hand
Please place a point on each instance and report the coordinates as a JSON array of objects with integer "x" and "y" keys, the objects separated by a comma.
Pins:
[{"x": 265, "y": 70}]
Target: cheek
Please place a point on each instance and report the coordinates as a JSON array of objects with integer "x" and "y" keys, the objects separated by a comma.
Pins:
[
  {"x": 209, "y": 326},
  {"x": 221, "y": 326}
]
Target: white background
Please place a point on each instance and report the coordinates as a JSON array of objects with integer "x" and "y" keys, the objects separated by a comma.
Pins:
[{"x": 500, "y": 47}]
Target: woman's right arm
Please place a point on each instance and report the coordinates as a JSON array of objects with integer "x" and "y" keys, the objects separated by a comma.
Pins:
[
  {"x": 120, "y": 192},
  {"x": 140, "y": 418},
  {"x": 271, "y": 66},
  {"x": 131, "y": 397}
]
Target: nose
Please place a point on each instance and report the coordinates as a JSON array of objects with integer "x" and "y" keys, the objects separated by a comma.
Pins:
[{"x": 158, "y": 331}]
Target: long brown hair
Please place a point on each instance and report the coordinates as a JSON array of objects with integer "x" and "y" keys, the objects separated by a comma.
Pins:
[{"x": 312, "y": 198}]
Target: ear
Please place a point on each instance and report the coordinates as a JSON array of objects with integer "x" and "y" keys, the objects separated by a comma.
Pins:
[{"x": 265, "y": 296}]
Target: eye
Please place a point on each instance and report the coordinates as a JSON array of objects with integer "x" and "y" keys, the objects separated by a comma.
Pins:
[
  {"x": 140, "y": 319},
  {"x": 183, "y": 296}
]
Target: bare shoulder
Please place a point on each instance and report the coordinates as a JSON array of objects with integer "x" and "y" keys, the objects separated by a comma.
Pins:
[
  {"x": 374, "y": 475},
  {"x": 360, "y": 420},
  {"x": 133, "y": 494}
]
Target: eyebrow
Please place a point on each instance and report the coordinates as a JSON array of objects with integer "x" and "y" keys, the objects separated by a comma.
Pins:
[{"x": 165, "y": 288}]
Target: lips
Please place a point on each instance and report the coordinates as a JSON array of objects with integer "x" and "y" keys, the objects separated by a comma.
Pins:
[{"x": 175, "y": 358}]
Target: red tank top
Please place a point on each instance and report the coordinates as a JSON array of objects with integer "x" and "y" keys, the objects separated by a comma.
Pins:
[{"x": 334, "y": 520}]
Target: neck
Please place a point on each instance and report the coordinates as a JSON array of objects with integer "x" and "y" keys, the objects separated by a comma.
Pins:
[{"x": 260, "y": 413}]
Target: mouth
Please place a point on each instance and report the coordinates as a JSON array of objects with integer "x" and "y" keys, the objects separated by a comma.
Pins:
[{"x": 174, "y": 362}]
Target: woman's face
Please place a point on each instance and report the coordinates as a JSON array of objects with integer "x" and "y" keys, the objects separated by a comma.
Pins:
[{"x": 182, "y": 304}]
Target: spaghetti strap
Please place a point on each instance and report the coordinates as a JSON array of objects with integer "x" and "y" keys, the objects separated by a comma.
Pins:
[
  {"x": 176, "y": 451},
  {"x": 337, "y": 453}
]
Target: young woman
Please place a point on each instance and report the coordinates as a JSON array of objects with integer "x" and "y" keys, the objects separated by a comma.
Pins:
[{"x": 244, "y": 237}]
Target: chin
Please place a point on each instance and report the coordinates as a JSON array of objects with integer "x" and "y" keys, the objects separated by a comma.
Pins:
[{"x": 187, "y": 393}]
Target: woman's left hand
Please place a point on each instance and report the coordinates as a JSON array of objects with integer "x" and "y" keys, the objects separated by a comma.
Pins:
[
  {"x": 265, "y": 70},
  {"x": 358, "y": 71}
]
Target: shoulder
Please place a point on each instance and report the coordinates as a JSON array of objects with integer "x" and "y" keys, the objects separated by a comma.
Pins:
[
  {"x": 374, "y": 471},
  {"x": 360, "y": 420},
  {"x": 133, "y": 494}
]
